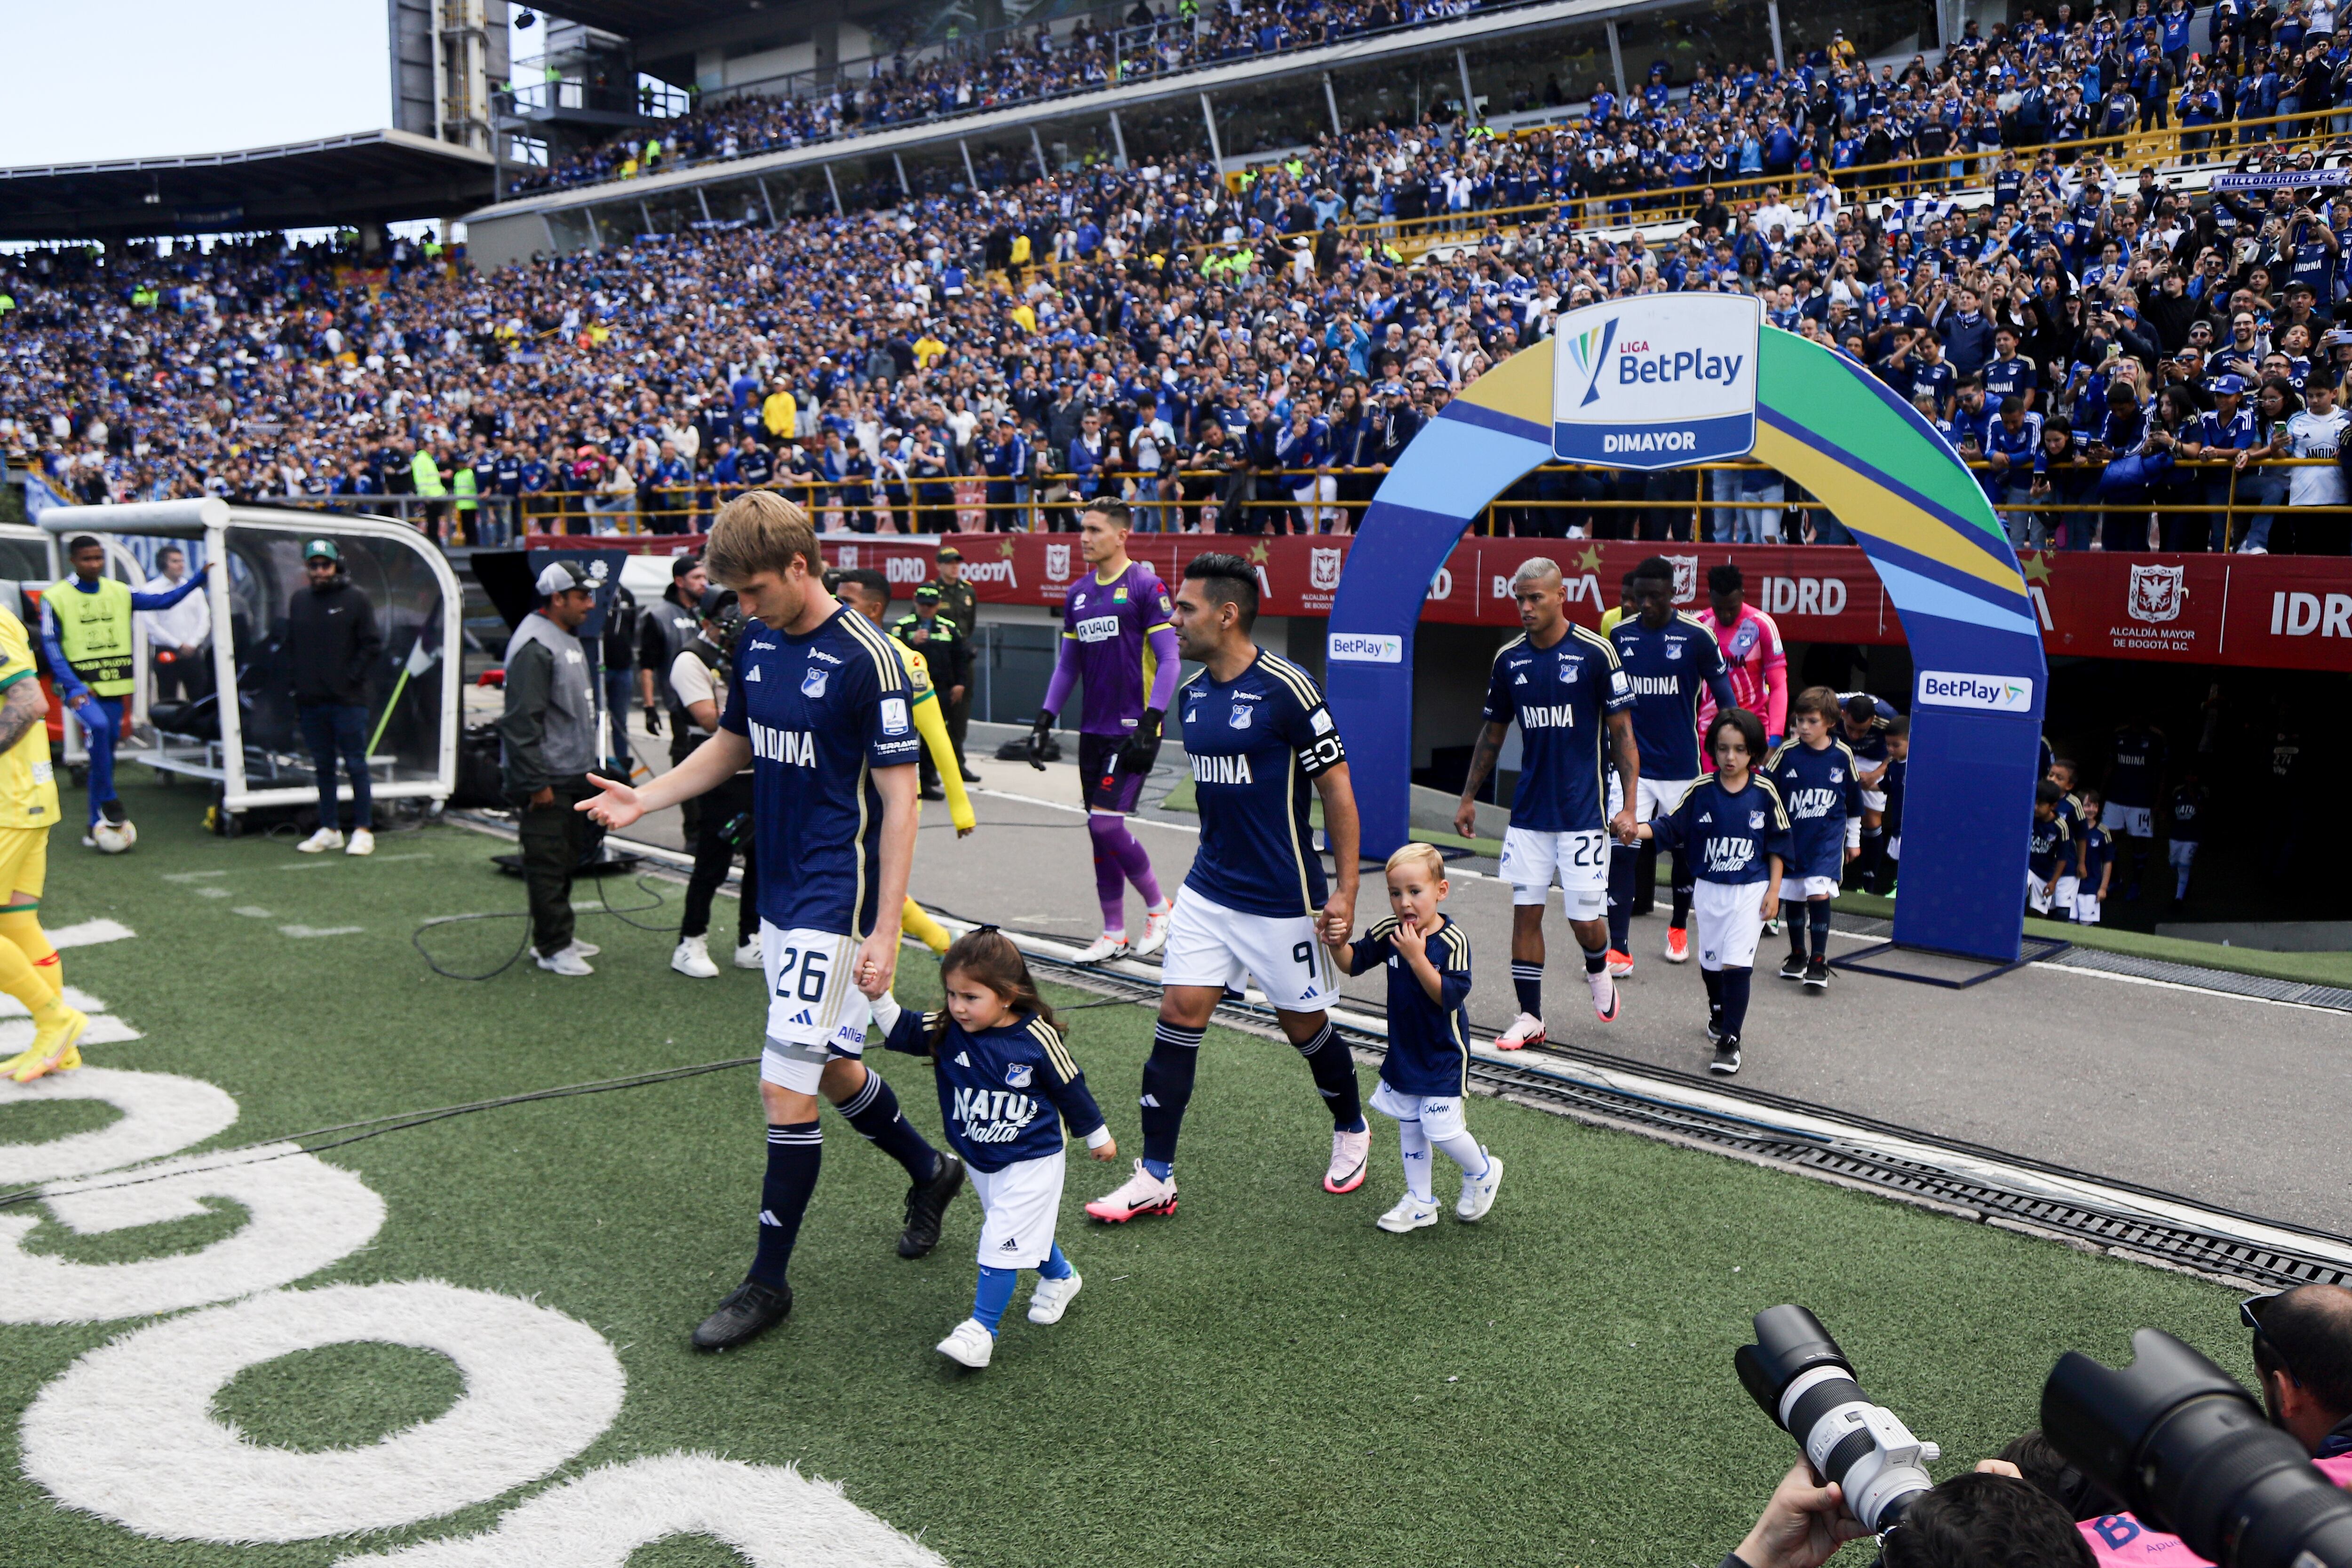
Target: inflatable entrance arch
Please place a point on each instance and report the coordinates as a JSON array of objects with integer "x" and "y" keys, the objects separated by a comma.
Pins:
[{"x": 1919, "y": 515}]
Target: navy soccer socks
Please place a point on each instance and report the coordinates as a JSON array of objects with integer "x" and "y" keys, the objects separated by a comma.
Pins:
[
  {"x": 1168, "y": 1075},
  {"x": 1335, "y": 1078},
  {"x": 795, "y": 1150},
  {"x": 874, "y": 1112}
]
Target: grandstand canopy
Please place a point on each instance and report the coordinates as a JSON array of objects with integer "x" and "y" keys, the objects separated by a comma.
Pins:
[{"x": 372, "y": 176}]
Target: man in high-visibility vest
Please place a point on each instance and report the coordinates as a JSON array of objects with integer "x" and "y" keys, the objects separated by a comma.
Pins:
[
  {"x": 466, "y": 488},
  {"x": 426, "y": 475},
  {"x": 86, "y": 632}
]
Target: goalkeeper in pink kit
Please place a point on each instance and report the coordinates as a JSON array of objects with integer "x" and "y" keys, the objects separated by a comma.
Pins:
[
  {"x": 1119, "y": 643},
  {"x": 1751, "y": 648}
]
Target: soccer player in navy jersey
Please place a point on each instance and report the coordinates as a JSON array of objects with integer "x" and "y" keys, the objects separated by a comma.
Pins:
[
  {"x": 820, "y": 709},
  {"x": 1669, "y": 658},
  {"x": 1119, "y": 643},
  {"x": 1562, "y": 686},
  {"x": 1865, "y": 721},
  {"x": 1257, "y": 904}
]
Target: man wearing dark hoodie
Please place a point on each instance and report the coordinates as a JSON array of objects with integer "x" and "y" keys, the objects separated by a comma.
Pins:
[{"x": 332, "y": 645}]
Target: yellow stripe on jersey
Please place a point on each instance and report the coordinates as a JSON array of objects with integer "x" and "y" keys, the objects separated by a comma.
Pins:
[
  {"x": 1301, "y": 684},
  {"x": 1382, "y": 929},
  {"x": 1057, "y": 1056},
  {"x": 888, "y": 672}
]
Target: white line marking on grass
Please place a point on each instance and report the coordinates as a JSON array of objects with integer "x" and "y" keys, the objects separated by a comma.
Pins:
[
  {"x": 90, "y": 933},
  {"x": 127, "y": 1432},
  {"x": 105, "y": 1029},
  {"x": 302, "y": 931},
  {"x": 163, "y": 1113},
  {"x": 254, "y": 912},
  {"x": 773, "y": 1515},
  {"x": 185, "y": 876},
  {"x": 305, "y": 1215},
  {"x": 320, "y": 865}
]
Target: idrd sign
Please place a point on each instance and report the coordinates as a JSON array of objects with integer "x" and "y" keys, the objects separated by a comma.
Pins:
[
  {"x": 1804, "y": 596},
  {"x": 1657, "y": 381}
]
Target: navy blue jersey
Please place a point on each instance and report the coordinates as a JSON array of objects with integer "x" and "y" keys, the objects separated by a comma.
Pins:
[
  {"x": 1669, "y": 668},
  {"x": 2138, "y": 767},
  {"x": 1729, "y": 836},
  {"x": 1561, "y": 696},
  {"x": 2048, "y": 846},
  {"x": 1823, "y": 802},
  {"x": 1870, "y": 747},
  {"x": 2069, "y": 812},
  {"x": 2098, "y": 850},
  {"x": 822, "y": 712},
  {"x": 1428, "y": 1042},
  {"x": 1256, "y": 743},
  {"x": 1892, "y": 817},
  {"x": 1001, "y": 1088},
  {"x": 2188, "y": 813}
]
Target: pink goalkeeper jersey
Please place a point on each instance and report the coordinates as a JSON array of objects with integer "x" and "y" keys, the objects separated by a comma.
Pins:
[
  {"x": 1760, "y": 668},
  {"x": 2119, "y": 1541}
]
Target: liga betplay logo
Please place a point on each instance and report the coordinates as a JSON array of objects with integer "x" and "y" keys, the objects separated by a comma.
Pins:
[{"x": 1657, "y": 381}]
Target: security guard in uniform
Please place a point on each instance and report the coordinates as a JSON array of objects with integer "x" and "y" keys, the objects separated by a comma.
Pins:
[
  {"x": 935, "y": 637},
  {"x": 86, "y": 632},
  {"x": 960, "y": 606}
]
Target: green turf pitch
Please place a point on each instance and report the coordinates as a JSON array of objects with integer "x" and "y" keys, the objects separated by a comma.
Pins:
[{"x": 1263, "y": 1379}]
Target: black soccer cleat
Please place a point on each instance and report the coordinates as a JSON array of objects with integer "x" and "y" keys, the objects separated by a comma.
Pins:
[
  {"x": 1726, "y": 1056},
  {"x": 926, "y": 1205},
  {"x": 1714, "y": 1027},
  {"x": 1817, "y": 975},
  {"x": 749, "y": 1311},
  {"x": 1793, "y": 966}
]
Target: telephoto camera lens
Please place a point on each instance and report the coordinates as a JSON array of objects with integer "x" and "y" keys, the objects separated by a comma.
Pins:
[
  {"x": 1795, "y": 1372},
  {"x": 2192, "y": 1452}
]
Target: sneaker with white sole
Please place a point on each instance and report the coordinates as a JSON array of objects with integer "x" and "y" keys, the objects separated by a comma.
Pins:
[
  {"x": 1677, "y": 945},
  {"x": 363, "y": 842},
  {"x": 1527, "y": 1029},
  {"x": 1052, "y": 1297},
  {"x": 1479, "y": 1191},
  {"x": 1103, "y": 949},
  {"x": 1621, "y": 963},
  {"x": 1410, "y": 1213},
  {"x": 969, "y": 1344},
  {"x": 1604, "y": 996},
  {"x": 693, "y": 958},
  {"x": 1351, "y": 1156},
  {"x": 747, "y": 954},
  {"x": 565, "y": 961},
  {"x": 326, "y": 839},
  {"x": 1141, "y": 1193},
  {"x": 584, "y": 949},
  {"x": 1726, "y": 1056},
  {"x": 1155, "y": 934}
]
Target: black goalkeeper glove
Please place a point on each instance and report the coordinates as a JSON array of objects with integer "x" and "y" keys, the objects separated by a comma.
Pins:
[
  {"x": 1040, "y": 735},
  {"x": 653, "y": 720},
  {"x": 1142, "y": 748}
]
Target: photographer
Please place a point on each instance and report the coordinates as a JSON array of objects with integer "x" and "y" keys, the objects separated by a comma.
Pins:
[
  {"x": 2303, "y": 1353},
  {"x": 699, "y": 675},
  {"x": 1975, "y": 1520}
]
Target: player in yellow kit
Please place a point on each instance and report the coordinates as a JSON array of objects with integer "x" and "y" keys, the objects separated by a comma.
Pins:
[
  {"x": 868, "y": 593},
  {"x": 30, "y": 969}
]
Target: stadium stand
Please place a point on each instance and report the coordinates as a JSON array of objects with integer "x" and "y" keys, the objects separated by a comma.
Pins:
[{"x": 1246, "y": 349}]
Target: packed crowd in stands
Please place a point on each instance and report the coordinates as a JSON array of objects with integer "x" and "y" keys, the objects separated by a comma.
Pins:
[
  {"x": 2108, "y": 350},
  {"x": 903, "y": 91}
]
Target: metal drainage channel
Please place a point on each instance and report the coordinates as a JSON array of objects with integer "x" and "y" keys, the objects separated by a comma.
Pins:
[
  {"x": 2136, "y": 1236},
  {"x": 2300, "y": 993}
]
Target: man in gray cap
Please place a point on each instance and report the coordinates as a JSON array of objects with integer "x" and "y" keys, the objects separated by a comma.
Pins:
[{"x": 547, "y": 743}]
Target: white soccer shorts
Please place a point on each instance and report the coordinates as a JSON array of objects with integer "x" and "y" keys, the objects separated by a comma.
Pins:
[
  {"x": 2183, "y": 853},
  {"x": 1874, "y": 800},
  {"x": 2063, "y": 892},
  {"x": 1655, "y": 798},
  {"x": 2037, "y": 893},
  {"x": 1728, "y": 918},
  {"x": 2086, "y": 909},
  {"x": 815, "y": 1011},
  {"x": 1018, "y": 1205},
  {"x": 1813, "y": 887},
  {"x": 1580, "y": 861},
  {"x": 1440, "y": 1115},
  {"x": 2128, "y": 821},
  {"x": 1208, "y": 944}
]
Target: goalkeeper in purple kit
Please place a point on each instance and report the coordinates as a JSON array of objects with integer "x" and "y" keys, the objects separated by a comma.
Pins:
[{"x": 1118, "y": 642}]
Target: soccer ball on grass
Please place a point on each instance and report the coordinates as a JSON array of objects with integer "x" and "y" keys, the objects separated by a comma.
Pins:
[{"x": 114, "y": 837}]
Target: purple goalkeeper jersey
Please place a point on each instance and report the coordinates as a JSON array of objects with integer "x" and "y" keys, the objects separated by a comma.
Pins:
[{"x": 1109, "y": 627}]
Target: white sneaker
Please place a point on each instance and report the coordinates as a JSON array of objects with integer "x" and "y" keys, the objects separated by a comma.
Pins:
[
  {"x": 363, "y": 842},
  {"x": 324, "y": 839},
  {"x": 969, "y": 1344},
  {"x": 1604, "y": 996},
  {"x": 566, "y": 961},
  {"x": 1104, "y": 948},
  {"x": 2251, "y": 550},
  {"x": 584, "y": 949},
  {"x": 1141, "y": 1193},
  {"x": 1352, "y": 1154},
  {"x": 693, "y": 958},
  {"x": 1410, "y": 1213},
  {"x": 747, "y": 954},
  {"x": 1155, "y": 933},
  {"x": 1052, "y": 1297},
  {"x": 1478, "y": 1192},
  {"x": 1527, "y": 1029}
]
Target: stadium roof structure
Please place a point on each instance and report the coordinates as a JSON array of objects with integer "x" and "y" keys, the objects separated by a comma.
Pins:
[
  {"x": 368, "y": 176},
  {"x": 636, "y": 18}
]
